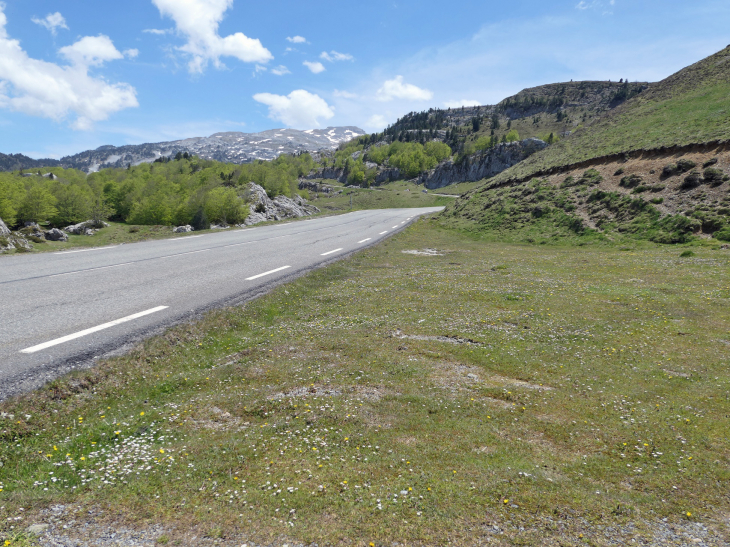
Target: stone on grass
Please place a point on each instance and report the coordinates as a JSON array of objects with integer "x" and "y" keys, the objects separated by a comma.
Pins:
[
  {"x": 55, "y": 235},
  {"x": 183, "y": 229}
]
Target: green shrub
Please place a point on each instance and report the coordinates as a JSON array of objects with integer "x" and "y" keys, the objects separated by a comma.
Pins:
[
  {"x": 685, "y": 165},
  {"x": 619, "y": 172},
  {"x": 669, "y": 170},
  {"x": 723, "y": 235},
  {"x": 708, "y": 163},
  {"x": 686, "y": 254},
  {"x": 713, "y": 176},
  {"x": 693, "y": 180},
  {"x": 657, "y": 201},
  {"x": 631, "y": 181}
]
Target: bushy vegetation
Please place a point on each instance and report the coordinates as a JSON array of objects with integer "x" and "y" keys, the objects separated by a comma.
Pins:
[{"x": 181, "y": 191}]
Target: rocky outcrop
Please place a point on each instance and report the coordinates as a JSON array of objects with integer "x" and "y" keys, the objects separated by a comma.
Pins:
[
  {"x": 315, "y": 187},
  {"x": 3, "y": 229},
  {"x": 183, "y": 229},
  {"x": 264, "y": 208},
  {"x": 481, "y": 165},
  {"x": 387, "y": 175},
  {"x": 330, "y": 173},
  {"x": 87, "y": 228}
]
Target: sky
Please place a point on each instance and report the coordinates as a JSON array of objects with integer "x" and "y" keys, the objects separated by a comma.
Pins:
[{"x": 79, "y": 74}]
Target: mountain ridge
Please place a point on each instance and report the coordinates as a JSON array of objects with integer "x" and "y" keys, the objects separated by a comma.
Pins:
[{"x": 228, "y": 146}]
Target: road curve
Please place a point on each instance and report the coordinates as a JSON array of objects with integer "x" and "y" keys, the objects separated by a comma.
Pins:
[{"x": 61, "y": 311}]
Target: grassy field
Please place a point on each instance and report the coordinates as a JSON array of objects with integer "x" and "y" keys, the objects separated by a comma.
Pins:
[
  {"x": 434, "y": 389},
  {"x": 388, "y": 196}
]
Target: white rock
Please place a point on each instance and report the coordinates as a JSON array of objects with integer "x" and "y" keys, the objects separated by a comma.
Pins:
[{"x": 183, "y": 229}]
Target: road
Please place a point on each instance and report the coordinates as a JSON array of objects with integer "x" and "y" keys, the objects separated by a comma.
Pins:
[{"x": 61, "y": 311}]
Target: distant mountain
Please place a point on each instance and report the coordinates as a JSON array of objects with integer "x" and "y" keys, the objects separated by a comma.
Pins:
[
  {"x": 13, "y": 162},
  {"x": 230, "y": 147}
]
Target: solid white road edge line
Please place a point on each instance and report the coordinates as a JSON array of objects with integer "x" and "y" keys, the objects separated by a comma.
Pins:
[
  {"x": 364, "y": 240},
  {"x": 184, "y": 237},
  {"x": 330, "y": 252},
  {"x": 267, "y": 273},
  {"x": 86, "y": 250},
  {"x": 92, "y": 330},
  {"x": 381, "y": 233},
  {"x": 394, "y": 227}
]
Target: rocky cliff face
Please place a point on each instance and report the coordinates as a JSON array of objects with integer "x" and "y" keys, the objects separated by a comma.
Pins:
[
  {"x": 3, "y": 228},
  {"x": 481, "y": 165},
  {"x": 230, "y": 147}
]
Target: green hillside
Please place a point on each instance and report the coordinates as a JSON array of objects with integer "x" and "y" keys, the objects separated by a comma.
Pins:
[{"x": 691, "y": 106}]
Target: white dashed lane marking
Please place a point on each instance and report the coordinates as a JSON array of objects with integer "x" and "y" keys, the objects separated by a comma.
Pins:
[
  {"x": 267, "y": 273},
  {"x": 92, "y": 330}
]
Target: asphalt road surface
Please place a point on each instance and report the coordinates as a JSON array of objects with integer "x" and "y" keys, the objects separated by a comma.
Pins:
[{"x": 61, "y": 311}]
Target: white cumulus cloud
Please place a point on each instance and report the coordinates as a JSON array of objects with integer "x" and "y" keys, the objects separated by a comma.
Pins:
[
  {"x": 280, "y": 70},
  {"x": 398, "y": 89},
  {"x": 198, "y": 22},
  {"x": 52, "y": 21},
  {"x": 131, "y": 53},
  {"x": 333, "y": 56},
  {"x": 459, "y": 104},
  {"x": 91, "y": 51},
  {"x": 47, "y": 90},
  {"x": 315, "y": 67},
  {"x": 297, "y": 39},
  {"x": 300, "y": 109}
]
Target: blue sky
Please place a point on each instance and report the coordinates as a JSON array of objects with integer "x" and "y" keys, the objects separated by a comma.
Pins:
[{"x": 77, "y": 74}]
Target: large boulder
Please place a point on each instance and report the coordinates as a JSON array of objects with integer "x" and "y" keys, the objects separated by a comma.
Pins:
[
  {"x": 4, "y": 231},
  {"x": 263, "y": 208},
  {"x": 55, "y": 235},
  {"x": 85, "y": 228},
  {"x": 183, "y": 229}
]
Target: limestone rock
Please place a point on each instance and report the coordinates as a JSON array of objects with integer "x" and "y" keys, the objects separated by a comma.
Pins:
[
  {"x": 481, "y": 165},
  {"x": 55, "y": 235},
  {"x": 386, "y": 175},
  {"x": 183, "y": 229},
  {"x": 263, "y": 208},
  {"x": 3, "y": 229},
  {"x": 314, "y": 187},
  {"x": 85, "y": 228}
]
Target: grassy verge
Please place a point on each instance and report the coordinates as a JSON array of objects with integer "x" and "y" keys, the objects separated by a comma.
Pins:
[
  {"x": 115, "y": 234},
  {"x": 522, "y": 395},
  {"x": 399, "y": 194}
]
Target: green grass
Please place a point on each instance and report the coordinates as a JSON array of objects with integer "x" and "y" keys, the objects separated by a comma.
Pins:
[
  {"x": 586, "y": 402},
  {"x": 457, "y": 189},
  {"x": 398, "y": 194},
  {"x": 115, "y": 234}
]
